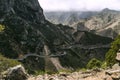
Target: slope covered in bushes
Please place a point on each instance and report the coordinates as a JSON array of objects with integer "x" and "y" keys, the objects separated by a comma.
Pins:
[
  {"x": 111, "y": 54},
  {"x": 6, "y": 63}
]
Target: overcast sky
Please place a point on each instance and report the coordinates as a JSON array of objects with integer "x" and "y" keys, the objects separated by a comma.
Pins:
[{"x": 79, "y": 5}]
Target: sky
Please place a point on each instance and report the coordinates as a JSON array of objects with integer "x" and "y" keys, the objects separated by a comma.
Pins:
[{"x": 79, "y": 5}]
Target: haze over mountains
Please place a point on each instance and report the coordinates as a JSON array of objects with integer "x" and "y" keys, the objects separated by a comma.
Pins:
[
  {"x": 79, "y": 5},
  {"x": 68, "y": 17},
  {"x": 104, "y": 23}
]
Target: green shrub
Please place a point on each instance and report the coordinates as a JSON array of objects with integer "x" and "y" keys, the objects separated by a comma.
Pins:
[
  {"x": 6, "y": 63},
  {"x": 39, "y": 72},
  {"x": 94, "y": 63},
  {"x": 2, "y": 27},
  {"x": 104, "y": 65},
  {"x": 111, "y": 54}
]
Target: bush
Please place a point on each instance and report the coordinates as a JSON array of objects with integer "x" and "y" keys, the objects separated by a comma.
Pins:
[
  {"x": 2, "y": 27},
  {"x": 111, "y": 54},
  {"x": 94, "y": 63},
  {"x": 104, "y": 65},
  {"x": 6, "y": 63}
]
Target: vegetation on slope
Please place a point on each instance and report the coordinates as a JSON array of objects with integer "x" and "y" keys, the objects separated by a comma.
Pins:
[
  {"x": 94, "y": 63},
  {"x": 2, "y": 27},
  {"x": 91, "y": 39},
  {"x": 111, "y": 54},
  {"x": 6, "y": 63}
]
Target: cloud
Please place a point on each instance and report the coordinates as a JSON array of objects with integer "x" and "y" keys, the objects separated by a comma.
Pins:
[{"x": 79, "y": 5}]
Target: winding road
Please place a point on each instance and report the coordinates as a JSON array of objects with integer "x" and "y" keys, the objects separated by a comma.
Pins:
[
  {"x": 86, "y": 46},
  {"x": 40, "y": 56},
  {"x": 47, "y": 52}
]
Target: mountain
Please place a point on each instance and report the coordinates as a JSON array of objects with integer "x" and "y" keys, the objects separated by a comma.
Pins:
[
  {"x": 26, "y": 36},
  {"x": 104, "y": 23},
  {"x": 67, "y": 18}
]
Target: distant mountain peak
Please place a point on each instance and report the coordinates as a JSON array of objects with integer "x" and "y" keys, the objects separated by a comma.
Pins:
[
  {"x": 106, "y": 9},
  {"x": 109, "y": 10}
]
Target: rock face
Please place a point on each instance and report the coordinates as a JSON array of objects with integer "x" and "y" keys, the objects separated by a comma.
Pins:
[
  {"x": 27, "y": 31},
  {"x": 16, "y": 73},
  {"x": 27, "y": 10}
]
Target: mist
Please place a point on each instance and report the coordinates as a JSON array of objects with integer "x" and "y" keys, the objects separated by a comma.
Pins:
[{"x": 79, "y": 5}]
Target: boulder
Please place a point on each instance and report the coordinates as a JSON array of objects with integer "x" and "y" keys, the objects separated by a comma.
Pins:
[
  {"x": 115, "y": 74},
  {"x": 118, "y": 56},
  {"x": 116, "y": 66},
  {"x": 16, "y": 73}
]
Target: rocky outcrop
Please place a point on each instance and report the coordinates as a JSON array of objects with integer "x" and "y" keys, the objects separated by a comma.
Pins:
[
  {"x": 80, "y": 26},
  {"x": 15, "y": 73},
  {"x": 27, "y": 10},
  {"x": 118, "y": 56},
  {"x": 115, "y": 74},
  {"x": 107, "y": 32},
  {"x": 115, "y": 71}
]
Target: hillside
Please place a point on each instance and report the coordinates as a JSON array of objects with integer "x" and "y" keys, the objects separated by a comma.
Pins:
[
  {"x": 104, "y": 23},
  {"x": 110, "y": 57},
  {"x": 28, "y": 37}
]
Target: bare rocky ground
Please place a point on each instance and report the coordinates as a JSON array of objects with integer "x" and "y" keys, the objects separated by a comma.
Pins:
[
  {"x": 19, "y": 73},
  {"x": 87, "y": 75}
]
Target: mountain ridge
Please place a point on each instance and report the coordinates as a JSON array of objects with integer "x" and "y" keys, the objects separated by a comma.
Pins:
[{"x": 104, "y": 23}]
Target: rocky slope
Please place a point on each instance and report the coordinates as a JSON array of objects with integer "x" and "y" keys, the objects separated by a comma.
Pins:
[
  {"x": 27, "y": 32},
  {"x": 104, "y": 23},
  {"x": 88, "y": 75},
  {"x": 19, "y": 73}
]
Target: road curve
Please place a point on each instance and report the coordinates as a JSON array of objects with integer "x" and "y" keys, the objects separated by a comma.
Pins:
[{"x": 40, "y": 56}]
